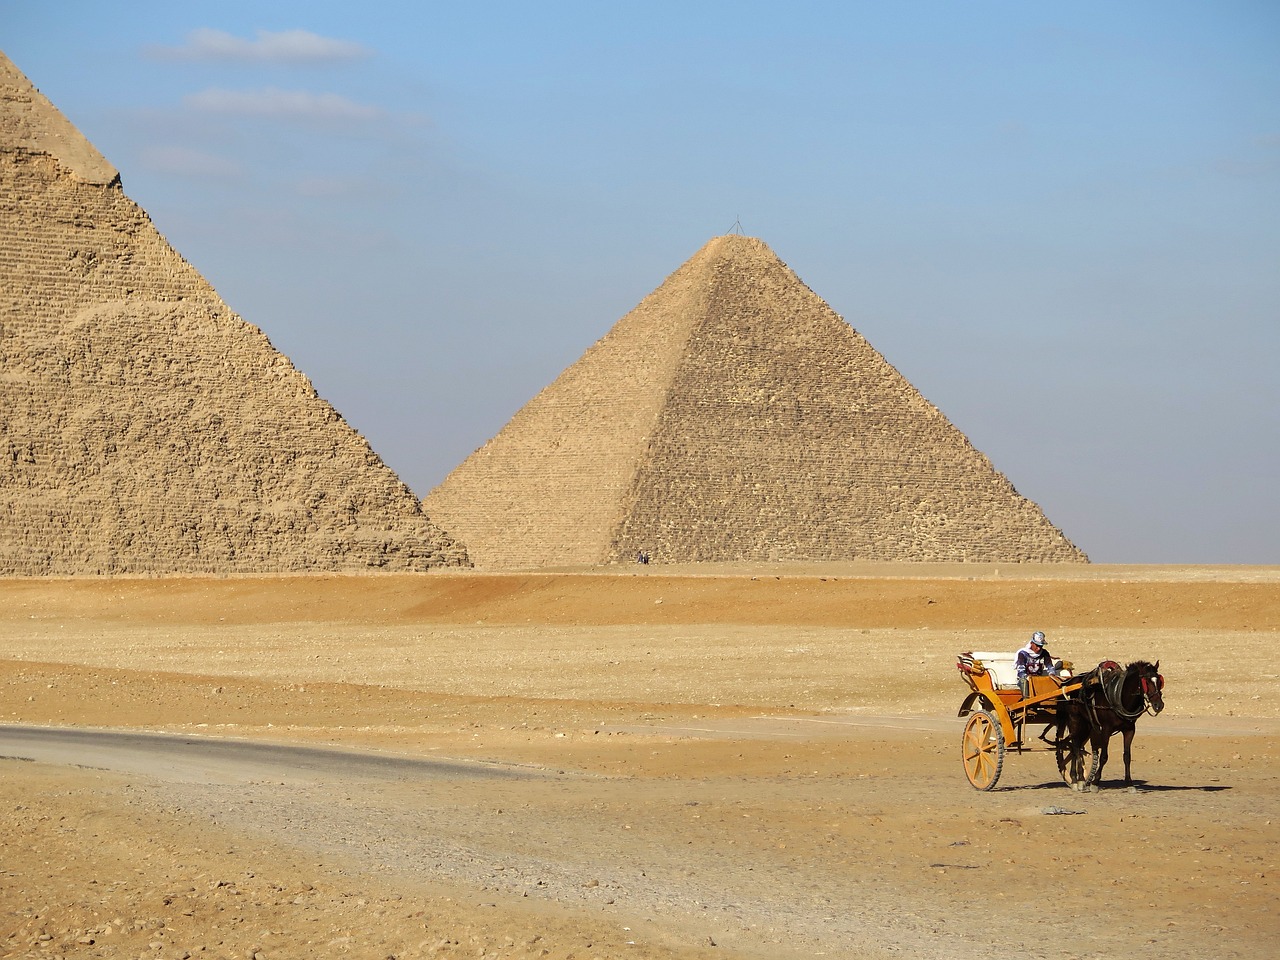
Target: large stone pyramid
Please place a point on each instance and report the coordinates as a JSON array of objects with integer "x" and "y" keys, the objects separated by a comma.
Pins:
[
  {"x": 733, "y": 416},
  {"x": 144, "y": 427}
]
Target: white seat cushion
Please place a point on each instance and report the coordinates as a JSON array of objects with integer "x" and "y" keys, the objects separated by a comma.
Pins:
[{"x": 1003, "y": 668}]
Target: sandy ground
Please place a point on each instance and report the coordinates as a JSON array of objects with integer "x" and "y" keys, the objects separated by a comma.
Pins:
[{"x": 710, "y": 762}]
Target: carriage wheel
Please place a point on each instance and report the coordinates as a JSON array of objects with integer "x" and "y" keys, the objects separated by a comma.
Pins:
[
  {"x": 1088, "y": 760},
  {"x": 982, "y": 750}
]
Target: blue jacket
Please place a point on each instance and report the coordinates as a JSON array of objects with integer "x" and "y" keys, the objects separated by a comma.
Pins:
[{"x": 1033, "y": 663}]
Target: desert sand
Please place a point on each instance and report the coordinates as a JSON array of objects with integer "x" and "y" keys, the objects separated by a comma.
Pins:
[{"x": 680, "y": 762}]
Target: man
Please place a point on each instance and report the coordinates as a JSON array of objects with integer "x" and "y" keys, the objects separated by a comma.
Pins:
[{"x": 1033, "y": 661}]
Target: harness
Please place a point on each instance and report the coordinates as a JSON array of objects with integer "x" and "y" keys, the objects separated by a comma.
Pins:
[
  {"x": 1110, "y": 676},
  {"x": 1112, "y": 681}
]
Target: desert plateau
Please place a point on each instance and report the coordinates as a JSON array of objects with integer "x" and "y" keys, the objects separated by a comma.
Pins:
[{"x": 684, "y": 762}]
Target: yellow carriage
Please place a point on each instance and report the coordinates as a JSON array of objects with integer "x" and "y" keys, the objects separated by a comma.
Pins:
[{"x": 1000, "y": 710}]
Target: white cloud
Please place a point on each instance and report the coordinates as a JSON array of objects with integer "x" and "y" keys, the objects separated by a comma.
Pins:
[
  {"x": 185, "y": 162},
  {"x": 286, "y": 46},
  {"x": 283, "y": 104}
]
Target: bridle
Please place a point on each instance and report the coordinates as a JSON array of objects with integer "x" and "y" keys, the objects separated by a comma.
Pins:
[{"x": 1152, "y": 683}]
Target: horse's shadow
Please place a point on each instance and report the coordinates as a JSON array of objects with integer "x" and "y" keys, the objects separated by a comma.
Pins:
[
  {"x": 1145, "y": 787},
  {"x": 1113, "y": 786}
]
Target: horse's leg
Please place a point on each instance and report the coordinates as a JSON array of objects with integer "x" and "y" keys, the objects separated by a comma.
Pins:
[
  {"x": 1080, "y": 774},
  {"x": 1128, "y": 733},
  {"x": 1063, "y": 757},
  {"x": 1100, "y": 740},
  {"x": 1077, "y": 735},
  {"x": 1065, "y": 747},
  {"x": 1069, "y": 740}
]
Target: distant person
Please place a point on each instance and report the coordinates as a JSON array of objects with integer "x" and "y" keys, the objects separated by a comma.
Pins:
[{"x": 1033, "y": 660}]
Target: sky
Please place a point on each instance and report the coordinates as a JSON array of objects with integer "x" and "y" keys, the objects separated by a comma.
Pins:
[{"x": 1061, "y": 222}]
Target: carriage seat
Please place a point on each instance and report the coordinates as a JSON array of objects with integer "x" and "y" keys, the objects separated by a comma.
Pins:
[{"x": 1003, "y": 668}]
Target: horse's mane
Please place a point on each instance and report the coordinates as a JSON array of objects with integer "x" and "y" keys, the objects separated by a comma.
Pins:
[{"x": 1135, "y": 666}]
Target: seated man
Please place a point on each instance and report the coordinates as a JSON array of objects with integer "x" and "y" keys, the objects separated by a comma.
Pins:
[{"x": 1033, "y": 660}]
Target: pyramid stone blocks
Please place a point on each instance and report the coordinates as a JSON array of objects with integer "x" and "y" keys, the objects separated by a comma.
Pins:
[
  {"x": 144, "y": 427},
  {"x": 733, "y": 416}
]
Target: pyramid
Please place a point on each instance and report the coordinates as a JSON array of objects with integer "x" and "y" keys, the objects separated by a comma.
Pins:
[
  {"x": 144, "y": 427},
  {"x": 733, "y": 416}
]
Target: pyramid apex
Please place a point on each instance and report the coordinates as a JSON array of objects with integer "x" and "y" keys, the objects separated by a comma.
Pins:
[
  {"x": 29, "y": 121},
  {"x": 732, "y": 246},
  {"x": 736, "y": 241}
]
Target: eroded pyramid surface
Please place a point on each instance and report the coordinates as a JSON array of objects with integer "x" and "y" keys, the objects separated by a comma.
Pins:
[
  {"x": 144, "y": 427},
  {"x": 733, "y": 416}
]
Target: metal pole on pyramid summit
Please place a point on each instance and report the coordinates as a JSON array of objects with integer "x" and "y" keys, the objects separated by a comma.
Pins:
[{"x": 737, "y": 226}]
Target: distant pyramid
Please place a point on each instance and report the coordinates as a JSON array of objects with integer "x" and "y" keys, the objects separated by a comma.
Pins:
[
  {"x": 733, "y": 416},
  {"x": 144, "y": 427}
]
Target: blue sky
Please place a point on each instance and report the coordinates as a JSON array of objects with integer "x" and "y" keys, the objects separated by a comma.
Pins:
[{"x": 1060, "y": 221}]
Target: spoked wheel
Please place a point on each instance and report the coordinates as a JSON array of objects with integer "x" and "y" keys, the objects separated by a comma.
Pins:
[
  {"x": 1088, "y": 761},
  {"x": 982, "y": 750}
]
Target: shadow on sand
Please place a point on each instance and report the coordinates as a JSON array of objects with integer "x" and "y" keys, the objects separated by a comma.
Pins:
[{"x": 1112, "y": 786}]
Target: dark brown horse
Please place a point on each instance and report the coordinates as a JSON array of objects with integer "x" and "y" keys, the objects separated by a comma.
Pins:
[{"x": 1110, "y": 702}]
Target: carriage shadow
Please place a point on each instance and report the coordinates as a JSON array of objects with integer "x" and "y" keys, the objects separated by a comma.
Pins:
[{"x": 1047, "y": 785}]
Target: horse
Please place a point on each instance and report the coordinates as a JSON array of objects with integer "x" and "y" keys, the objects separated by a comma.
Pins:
[{"x": 1110, "y": 702}]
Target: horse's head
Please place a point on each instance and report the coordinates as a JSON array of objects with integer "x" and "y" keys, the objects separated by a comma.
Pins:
[{"x": 1151, "y": 684}]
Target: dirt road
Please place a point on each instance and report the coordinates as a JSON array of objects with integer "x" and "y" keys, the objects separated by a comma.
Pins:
[{"x": 714, "y": 778}]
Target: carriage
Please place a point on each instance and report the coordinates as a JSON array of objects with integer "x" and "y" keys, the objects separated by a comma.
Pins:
[
  {"x": 1000, "y": 712},
  {"x": 1081, "y": 712}
]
